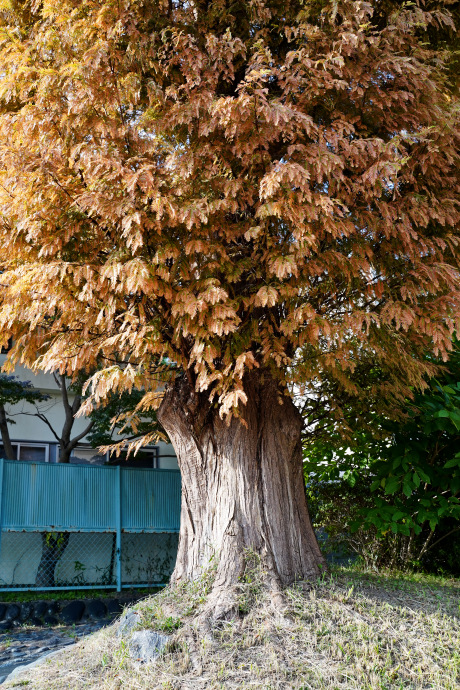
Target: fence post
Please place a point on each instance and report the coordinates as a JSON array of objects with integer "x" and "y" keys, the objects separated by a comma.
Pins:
[
  {"x": 2, "y": 465},
  {"x": 118, "y": 505}
]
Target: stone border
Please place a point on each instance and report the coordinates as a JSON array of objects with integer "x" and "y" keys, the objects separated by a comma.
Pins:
[{"x": 62, "y": 612}]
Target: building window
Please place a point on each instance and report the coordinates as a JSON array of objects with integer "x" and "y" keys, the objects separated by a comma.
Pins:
[
  {"x": 29, "y": 452},
  {"x": 85, "y": 455},
  {"x": 145, "y": 458}
]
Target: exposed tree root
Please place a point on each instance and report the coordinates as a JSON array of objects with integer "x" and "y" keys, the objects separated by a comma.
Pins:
[{"x": 325, "y": 641}]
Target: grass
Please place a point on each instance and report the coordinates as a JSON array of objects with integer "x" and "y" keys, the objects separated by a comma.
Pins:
[
  {"x": 349, "y": 629},
  {"x": 64, "y": 595}
]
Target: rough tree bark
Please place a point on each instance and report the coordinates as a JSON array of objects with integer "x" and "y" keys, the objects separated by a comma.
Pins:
[{"x": 242, "y": 488}]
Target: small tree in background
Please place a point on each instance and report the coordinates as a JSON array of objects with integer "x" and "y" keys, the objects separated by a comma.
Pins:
[
  {"x": 72, "y": 400},
  {"x": 262, "y": 193},
  {"x": 12, "y": 392}
]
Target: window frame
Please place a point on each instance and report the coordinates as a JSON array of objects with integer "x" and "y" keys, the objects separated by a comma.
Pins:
[{"x": 31, "y": 444}]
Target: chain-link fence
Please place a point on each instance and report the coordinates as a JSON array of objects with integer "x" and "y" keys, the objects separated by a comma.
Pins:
[
  {"x": 46, "y": 560},
  {"x": 67, "y": 526}
]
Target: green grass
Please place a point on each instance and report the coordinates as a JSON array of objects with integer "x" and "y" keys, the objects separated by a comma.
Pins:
[
  {"x": 65, "y": 595},
  {"x": 348, "y": 630}
]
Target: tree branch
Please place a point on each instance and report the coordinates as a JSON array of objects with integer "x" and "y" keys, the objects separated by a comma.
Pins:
[
  {"x": 456, "y": 529},
  {"x": 75, "y": 440},
  {"x": 45, "y": 420}
]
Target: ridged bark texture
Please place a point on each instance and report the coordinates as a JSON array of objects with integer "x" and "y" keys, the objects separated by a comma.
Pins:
[{"x": 242, "y": 485}]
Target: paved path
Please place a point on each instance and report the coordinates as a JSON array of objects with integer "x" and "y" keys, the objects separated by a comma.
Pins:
[{"x": 24, "y": 645}]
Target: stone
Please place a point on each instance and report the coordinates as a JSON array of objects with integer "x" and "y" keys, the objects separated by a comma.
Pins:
[
  {"x": 36, "y": 621},
  {"x": 146, "y": 645},
  {"x": 50, "y": 620},
  {"x": 40, "y": 608},
  {"x": 18, "y": 653},
  {"x": 12, "y": 612},
  {"x": 114, "y": 606},
  {"x": 73, "y": 612},
  {"x": 52, "y": 607},
  {"x": 127, "y": 623},
  {"x": 2, "y": 611},
  {"x": 7, "y": 625},
  {"x": 26, "y": 611},
  {"x": 96, "y": 608}
]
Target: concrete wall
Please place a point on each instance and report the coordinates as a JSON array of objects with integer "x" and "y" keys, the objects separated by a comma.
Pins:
[{"x": 87, "y": 559}]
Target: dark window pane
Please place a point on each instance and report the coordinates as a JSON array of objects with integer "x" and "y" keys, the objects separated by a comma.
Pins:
[
  {"x": 32, "y": 453},
  {"x": 144, "y": 458}
]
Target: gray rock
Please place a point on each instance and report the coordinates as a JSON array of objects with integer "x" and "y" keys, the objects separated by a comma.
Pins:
[
  {"x": 96, "y": 608},
  {"x": 18, "y": 653},
  {"x": 127, "y": 623},
  {"x": 114, "y": 606},
  {"x": 52, "y": 607},
  {"x": 35, "y": 621},
  {"x": 50, "y": 620},
  {"x": 2, "y": 611},
  {"x": 26, "y": 611},
  {"x": 40, "y": 608},
  {"x": 12, "y": 612},
  {"x": 73, "y": 612},
  {"x": 146, "y": 645},
  {"x": 26, "y": 646}
]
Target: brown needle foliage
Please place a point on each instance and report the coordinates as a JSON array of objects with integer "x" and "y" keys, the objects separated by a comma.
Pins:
[{"x": 227, "y": 186}]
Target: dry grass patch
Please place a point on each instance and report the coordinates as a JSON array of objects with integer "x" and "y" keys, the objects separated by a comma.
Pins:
[{"x": 348, "y": 630}]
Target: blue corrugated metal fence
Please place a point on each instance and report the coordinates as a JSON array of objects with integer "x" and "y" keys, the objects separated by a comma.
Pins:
[{"x": 43, "y": 497}]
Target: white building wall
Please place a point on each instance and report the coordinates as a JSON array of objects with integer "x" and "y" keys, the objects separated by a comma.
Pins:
[{"x": 32, "y": 429}]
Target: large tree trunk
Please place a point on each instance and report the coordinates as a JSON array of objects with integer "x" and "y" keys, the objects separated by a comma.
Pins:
[{"x": 242, "y": 487}]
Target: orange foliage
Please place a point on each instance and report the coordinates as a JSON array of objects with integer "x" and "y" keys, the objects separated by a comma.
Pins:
[{"x": 226, "y": 186}]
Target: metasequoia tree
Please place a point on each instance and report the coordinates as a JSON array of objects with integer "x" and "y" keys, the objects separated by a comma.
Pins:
[{"x": 225, "y": 202}]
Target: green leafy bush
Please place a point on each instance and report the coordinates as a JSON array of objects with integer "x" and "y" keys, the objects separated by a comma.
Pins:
[{"x": 393, "y": 495}]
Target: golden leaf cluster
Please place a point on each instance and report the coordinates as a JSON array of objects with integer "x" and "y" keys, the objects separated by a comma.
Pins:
[{"x": 185, "y": 188}]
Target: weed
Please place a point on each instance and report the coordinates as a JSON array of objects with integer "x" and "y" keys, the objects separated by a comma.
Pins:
[
  {"x": 168, "y": 624},
  {"x": 350, "y": 630},
  {"x": 250, "y": 582}
]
